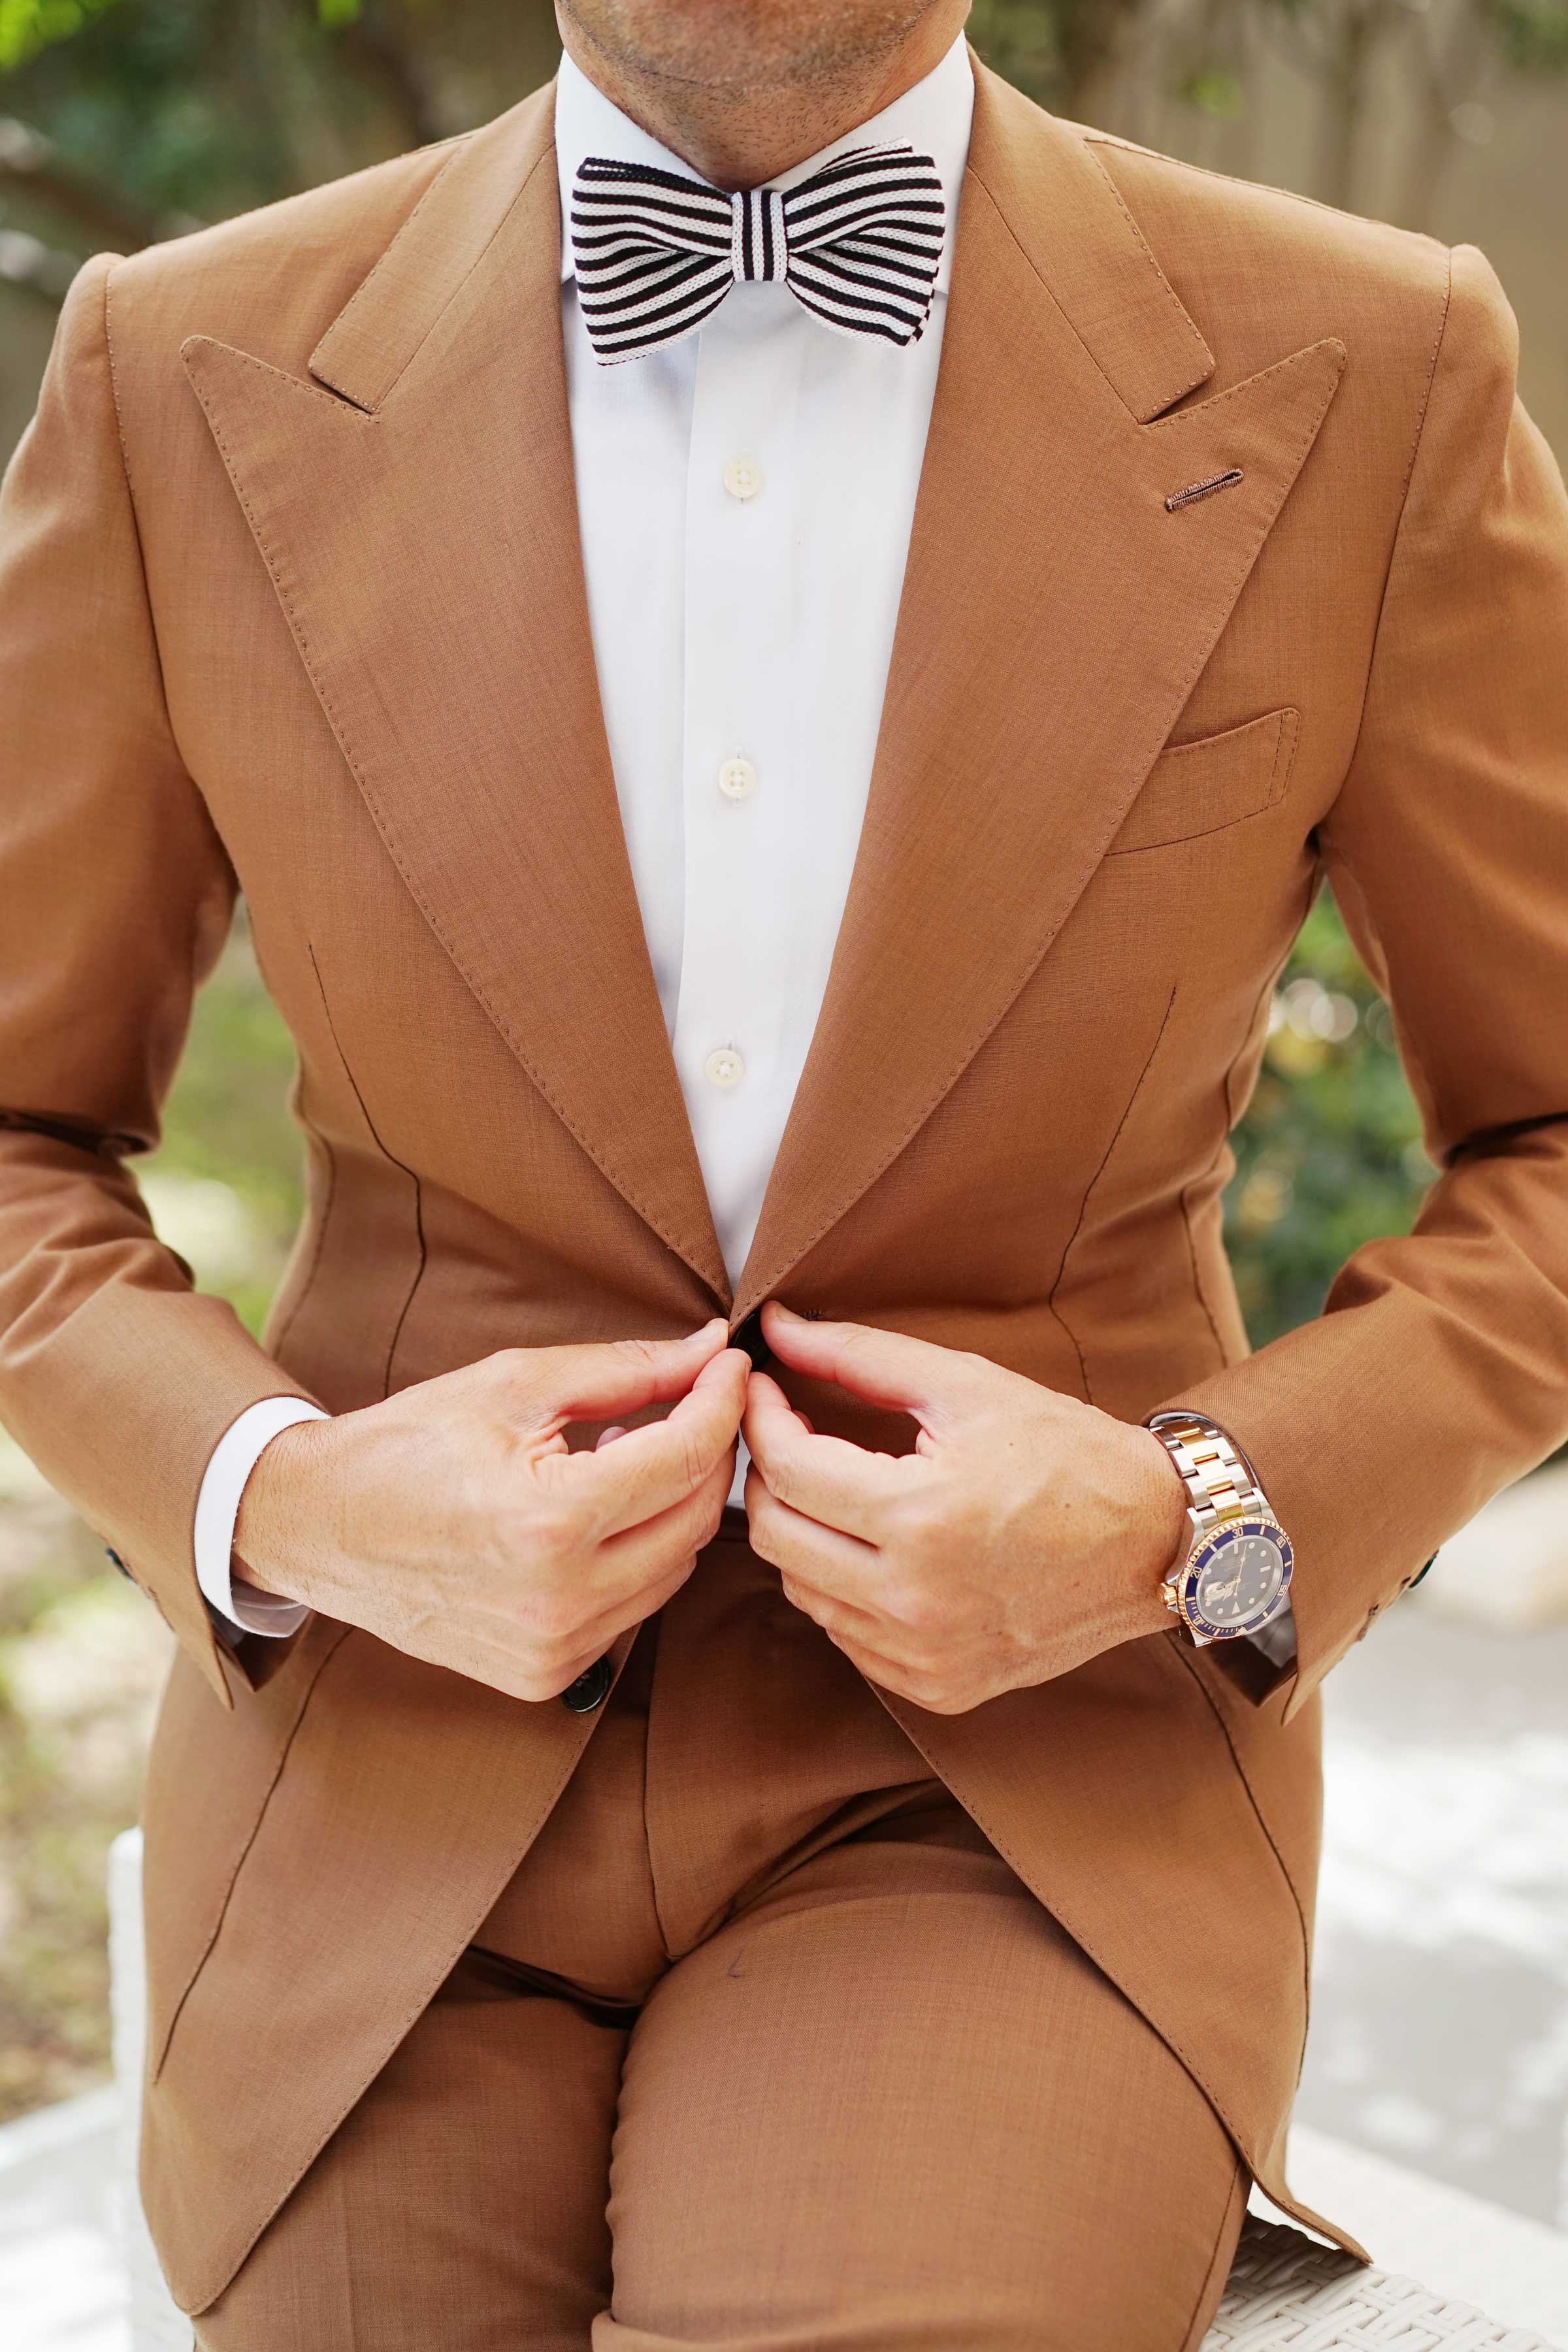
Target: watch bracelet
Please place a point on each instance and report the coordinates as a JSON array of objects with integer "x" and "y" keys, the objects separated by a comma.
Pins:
[{"x": 1198, "y": 1446}]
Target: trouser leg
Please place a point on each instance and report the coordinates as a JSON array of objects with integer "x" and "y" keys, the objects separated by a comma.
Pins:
[
  {"x": 461, "y": 2205},
  {"x": 890, "y": 2105},
  {"x": 877, "y": 2100}
]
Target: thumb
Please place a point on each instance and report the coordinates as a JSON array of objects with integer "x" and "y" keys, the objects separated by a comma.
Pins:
[
  {"x": 619, "y": 1376},
  {"x": 884, "y": 1368}
]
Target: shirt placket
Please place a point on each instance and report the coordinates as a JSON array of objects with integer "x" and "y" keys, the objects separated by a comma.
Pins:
[{"x": 742, "y": 529}]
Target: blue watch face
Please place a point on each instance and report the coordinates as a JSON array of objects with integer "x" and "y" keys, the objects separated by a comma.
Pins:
[{"x": 1236, "y": 1582}]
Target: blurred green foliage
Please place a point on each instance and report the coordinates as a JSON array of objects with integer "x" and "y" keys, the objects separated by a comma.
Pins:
[
  {"x": 1532, "y": 34},
  {"x": 226, "y": 1182},
  {"x": 28, "y": 26},
  {"x": 185, "y": 112},
  {"x": 81, "y": 1659},
  {"x": 1329, "y": 1152}
]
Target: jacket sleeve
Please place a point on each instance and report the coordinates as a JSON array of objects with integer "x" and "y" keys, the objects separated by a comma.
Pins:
[
  {"x": 115, "y": 1375},
  {"x": 1439, "y": 1371}
]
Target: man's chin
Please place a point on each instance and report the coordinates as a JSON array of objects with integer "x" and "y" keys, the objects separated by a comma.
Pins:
[{"x": 743, "y": 45}]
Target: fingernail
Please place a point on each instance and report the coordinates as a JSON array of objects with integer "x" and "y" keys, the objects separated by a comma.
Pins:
[
  {"x": 787, "y": 1312},
  {"x": 714, "y": 1323}
]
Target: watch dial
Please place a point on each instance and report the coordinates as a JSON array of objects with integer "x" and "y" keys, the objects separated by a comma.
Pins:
[{"x": 1241, "y": 1580}]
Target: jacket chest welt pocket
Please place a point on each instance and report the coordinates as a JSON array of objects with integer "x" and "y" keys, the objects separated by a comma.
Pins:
[{"x": 1219, "y": 780}]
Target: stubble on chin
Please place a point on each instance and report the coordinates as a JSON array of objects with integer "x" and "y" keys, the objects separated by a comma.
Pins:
[{"x": 743, "y": 45}]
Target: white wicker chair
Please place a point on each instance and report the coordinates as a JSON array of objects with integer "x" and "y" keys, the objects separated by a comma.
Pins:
[
  {"x": 1287, "y": 2294},
  {"x": 156, "y": 2326}
]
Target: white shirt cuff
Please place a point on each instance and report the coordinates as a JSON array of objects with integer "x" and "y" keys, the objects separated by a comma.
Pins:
[{"x": 234, "y": 1458}]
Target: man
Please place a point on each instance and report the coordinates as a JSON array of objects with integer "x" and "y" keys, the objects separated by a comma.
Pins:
[{"x": 716, "y": 892}]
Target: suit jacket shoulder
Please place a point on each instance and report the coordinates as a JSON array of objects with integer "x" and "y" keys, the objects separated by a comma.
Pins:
[
  {"x": 272, "y": 281},
  {"x": 1264, "y": 270}
]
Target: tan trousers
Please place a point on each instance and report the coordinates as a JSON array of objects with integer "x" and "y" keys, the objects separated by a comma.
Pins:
[{"x": 764, "y": 2048}]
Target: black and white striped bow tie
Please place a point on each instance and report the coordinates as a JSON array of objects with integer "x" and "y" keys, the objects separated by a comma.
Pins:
[{"x": 859, "y": 243}]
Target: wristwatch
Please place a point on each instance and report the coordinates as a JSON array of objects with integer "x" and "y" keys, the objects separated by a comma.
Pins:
[{"x": 1234, "y": 1577}]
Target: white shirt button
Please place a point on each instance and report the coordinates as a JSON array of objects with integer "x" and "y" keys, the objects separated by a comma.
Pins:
[
  {"x": 725, "y": 1066},
  {"x": 736, "y": 779},
  {"x": 743, "y": 478}
]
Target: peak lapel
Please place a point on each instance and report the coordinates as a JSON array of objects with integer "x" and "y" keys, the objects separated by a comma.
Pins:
[
  {"x": 1054, "y": 618},
  {"x": 419, "y": 521}
]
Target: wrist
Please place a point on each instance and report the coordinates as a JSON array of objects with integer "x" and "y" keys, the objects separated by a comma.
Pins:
[
  {"x": 271, "y": 1546},
  {"x": 1145, "y": 1530},
  {"x": 1161, "y": 1511}
]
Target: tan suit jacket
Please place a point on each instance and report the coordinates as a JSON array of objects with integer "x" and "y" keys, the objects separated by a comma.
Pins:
[{"x": 293, "y": 604}]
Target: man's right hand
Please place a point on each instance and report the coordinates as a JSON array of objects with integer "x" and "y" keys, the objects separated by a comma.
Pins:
[{"x": 452, "y": 1521}]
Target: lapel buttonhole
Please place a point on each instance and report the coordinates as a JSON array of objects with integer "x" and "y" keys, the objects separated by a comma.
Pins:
[{"x": 1203, "y": 490}]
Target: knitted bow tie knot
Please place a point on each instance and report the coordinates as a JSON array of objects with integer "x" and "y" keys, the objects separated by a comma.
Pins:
[{"x": 859, "y": 244}]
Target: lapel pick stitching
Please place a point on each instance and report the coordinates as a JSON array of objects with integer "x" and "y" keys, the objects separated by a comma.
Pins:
[{"x": 1206, "y": 489}]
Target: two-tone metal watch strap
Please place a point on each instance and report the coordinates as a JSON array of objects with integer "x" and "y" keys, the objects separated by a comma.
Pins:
[{"x": 1216, "y": 1475}]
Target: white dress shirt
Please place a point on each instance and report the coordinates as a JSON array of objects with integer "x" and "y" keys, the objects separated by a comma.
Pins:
[{"x": 744, "y": 497}]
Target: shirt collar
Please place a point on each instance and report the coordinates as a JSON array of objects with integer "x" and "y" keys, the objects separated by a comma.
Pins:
[{"x": 935, "y": 116}]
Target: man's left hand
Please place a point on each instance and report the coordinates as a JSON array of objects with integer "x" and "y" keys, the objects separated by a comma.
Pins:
[{"x": 1025, "y": 1534}]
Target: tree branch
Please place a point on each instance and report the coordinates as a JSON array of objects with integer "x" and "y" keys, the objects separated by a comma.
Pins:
[
  {"x": 374, "y": 52},
  {"x": 28, "y": 161}
]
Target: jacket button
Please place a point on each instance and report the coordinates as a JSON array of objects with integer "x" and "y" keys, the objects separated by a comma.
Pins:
[
  {"x": 748, "y": 1337},
  {"x": 590, "y": 1689}
]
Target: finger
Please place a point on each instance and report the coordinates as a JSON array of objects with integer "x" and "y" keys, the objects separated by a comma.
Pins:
[
  {"x": 497, "y": 1660},
  {"x": 636, "y": 1557},
  {"x": 633, "y": 1574},
  {"x": 856, "y": 1637},
  {"x": 839, "y": 1567},
  {"x": 632, "y": 1608},
  {"x": 888, "y": 1675},
  {"x": 837, "y": 1618},
  {"x": 650, "y": 1468},
  {"x": 609, "y": 1436},
  {"x": 841, "y": 1485},
  {"x": 637, "y": 1571},
  {"x": 898, "y": 1648},
  {"x": 883, "y": 1671},
  {"x": 886, "y": 1367},
  {"x": 602, "y": 1381}
]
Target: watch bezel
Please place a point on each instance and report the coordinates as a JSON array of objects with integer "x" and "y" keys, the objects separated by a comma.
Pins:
[{"x": 1206, "y": 1548}]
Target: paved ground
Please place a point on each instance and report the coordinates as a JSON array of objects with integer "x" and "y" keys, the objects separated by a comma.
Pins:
[
  {"x": 1441, "y": 2004},
  {"x": 62, "y": 2288}
]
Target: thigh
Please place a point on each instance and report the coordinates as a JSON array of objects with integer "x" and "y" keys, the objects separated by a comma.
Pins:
[
  {"x": 892, "y": 2106},
  {"x": 462, "y": 2202}
]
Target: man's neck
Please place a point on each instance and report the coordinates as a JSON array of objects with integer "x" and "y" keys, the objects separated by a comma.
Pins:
[{"x": 737, "y": 135}]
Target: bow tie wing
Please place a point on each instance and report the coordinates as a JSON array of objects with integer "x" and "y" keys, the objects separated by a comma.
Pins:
[
  {"x": 653, "y": 254},
  {"x": 865, "y": 241},
  {"x": 859, "y": 244}
]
